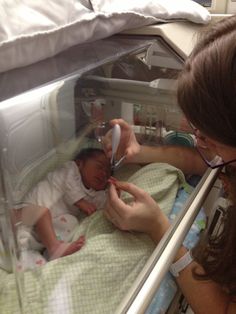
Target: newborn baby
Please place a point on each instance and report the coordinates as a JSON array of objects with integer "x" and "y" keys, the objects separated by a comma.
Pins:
[{"x": 52, "y": 205}]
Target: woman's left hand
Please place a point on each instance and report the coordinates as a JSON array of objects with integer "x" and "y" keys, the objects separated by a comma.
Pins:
[{"x": 142, "y": 214}]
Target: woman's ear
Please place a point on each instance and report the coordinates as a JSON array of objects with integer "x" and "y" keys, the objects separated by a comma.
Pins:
[
  {"x": 225, "y": 182},
  {"x": 212, "y": 145}
]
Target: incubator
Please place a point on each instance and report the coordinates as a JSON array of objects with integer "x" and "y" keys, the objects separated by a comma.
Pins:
[{"x": 52, "y": 109}]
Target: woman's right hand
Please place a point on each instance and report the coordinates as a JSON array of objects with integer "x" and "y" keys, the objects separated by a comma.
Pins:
[{"x": 128, "y": 147}]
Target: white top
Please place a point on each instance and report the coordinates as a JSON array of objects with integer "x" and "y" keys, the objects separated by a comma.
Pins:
[{"x": 61, "y": 189}]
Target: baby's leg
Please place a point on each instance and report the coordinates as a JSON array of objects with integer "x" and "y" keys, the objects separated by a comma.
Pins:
[
  {"x": 40, "y": 218},
  {"x": 28, "y": 215},
  {"x": 23, "y": 221},
  {"x": 56, "y": 248}
]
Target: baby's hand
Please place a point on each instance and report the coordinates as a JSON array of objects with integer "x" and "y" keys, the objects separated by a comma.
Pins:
[{"x": 87, "y": 207}]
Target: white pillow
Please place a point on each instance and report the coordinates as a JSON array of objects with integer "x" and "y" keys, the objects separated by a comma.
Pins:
[
  {"x": 33, "y": 30},
  {"x": 161, "y": 9}
]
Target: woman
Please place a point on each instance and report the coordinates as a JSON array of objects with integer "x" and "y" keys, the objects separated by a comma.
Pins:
[{"x": 207, "y": 96}]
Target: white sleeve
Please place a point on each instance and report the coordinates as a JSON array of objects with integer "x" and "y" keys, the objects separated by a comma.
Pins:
[{"x": 100, "y": 199}]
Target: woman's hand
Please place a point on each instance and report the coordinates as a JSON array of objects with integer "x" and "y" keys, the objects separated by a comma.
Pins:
[
  {"x": 142, "y": 214},
  {"x": 128, "y": 144}
]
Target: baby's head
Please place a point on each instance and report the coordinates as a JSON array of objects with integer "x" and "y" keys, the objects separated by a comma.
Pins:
[{"x": 95, "y": 168}]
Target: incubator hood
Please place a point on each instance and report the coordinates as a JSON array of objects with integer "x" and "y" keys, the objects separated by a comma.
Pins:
[
  {"x": 178, "y": 36},
  {"x": 52, "y": 109}
]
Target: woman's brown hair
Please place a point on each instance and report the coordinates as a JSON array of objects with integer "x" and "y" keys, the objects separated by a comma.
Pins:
[
  {"x": 207, "y": 96},
  {"x": 207, "y": 85}
]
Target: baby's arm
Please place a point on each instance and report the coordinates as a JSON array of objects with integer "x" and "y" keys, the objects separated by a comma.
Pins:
[{"x": 86, "y": 206}]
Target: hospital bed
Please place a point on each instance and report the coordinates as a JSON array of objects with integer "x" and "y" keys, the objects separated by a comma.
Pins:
[{"x": 52, "y": 109}]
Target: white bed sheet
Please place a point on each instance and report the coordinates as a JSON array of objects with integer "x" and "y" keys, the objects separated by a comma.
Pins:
[{"x": 31, "y": 30}]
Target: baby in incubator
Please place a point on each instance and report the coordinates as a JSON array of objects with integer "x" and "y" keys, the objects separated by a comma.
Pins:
[{"x": 51, "y": 207}]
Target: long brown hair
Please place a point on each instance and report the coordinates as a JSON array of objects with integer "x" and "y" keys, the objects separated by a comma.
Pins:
[
  {"x": 207, "y": 96},
  {"x": 217, "y": 253},
  {"x": 207, "y": 85}
]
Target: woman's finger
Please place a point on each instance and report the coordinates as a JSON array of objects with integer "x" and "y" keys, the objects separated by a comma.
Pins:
[
  {"x": 111, "y": 218},
  {"x": 106, "y": 143},
  {"x": 132, "y": 189},
  {"x": 124, "y": 125},
  {"x": 116, "y": 210},
  {"x": 117, "y": 206}
]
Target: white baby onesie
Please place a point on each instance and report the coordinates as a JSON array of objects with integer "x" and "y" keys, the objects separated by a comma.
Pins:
[{"x": 61, "y": 189}]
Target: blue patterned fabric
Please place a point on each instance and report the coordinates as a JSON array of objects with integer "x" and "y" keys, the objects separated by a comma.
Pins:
[{"x": 168, "y": 287}]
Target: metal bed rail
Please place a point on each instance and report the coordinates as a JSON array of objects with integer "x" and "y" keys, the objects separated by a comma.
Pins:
[{"x": 147, "y": 283}]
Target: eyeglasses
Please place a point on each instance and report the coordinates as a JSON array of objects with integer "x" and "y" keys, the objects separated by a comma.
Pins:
[{"x": 210, "y": 158}]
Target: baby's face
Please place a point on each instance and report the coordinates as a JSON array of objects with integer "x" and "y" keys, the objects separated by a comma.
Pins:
[{"x": 95, "y": 172}]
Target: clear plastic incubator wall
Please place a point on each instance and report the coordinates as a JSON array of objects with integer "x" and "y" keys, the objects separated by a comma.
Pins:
[{"x": 48, "y": 113}]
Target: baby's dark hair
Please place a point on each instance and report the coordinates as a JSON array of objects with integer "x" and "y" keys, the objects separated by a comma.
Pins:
[{"x": 86, "y": 153}]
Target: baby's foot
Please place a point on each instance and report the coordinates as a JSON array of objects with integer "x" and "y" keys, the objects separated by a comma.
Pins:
[{"x": 63, "y": 249}]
